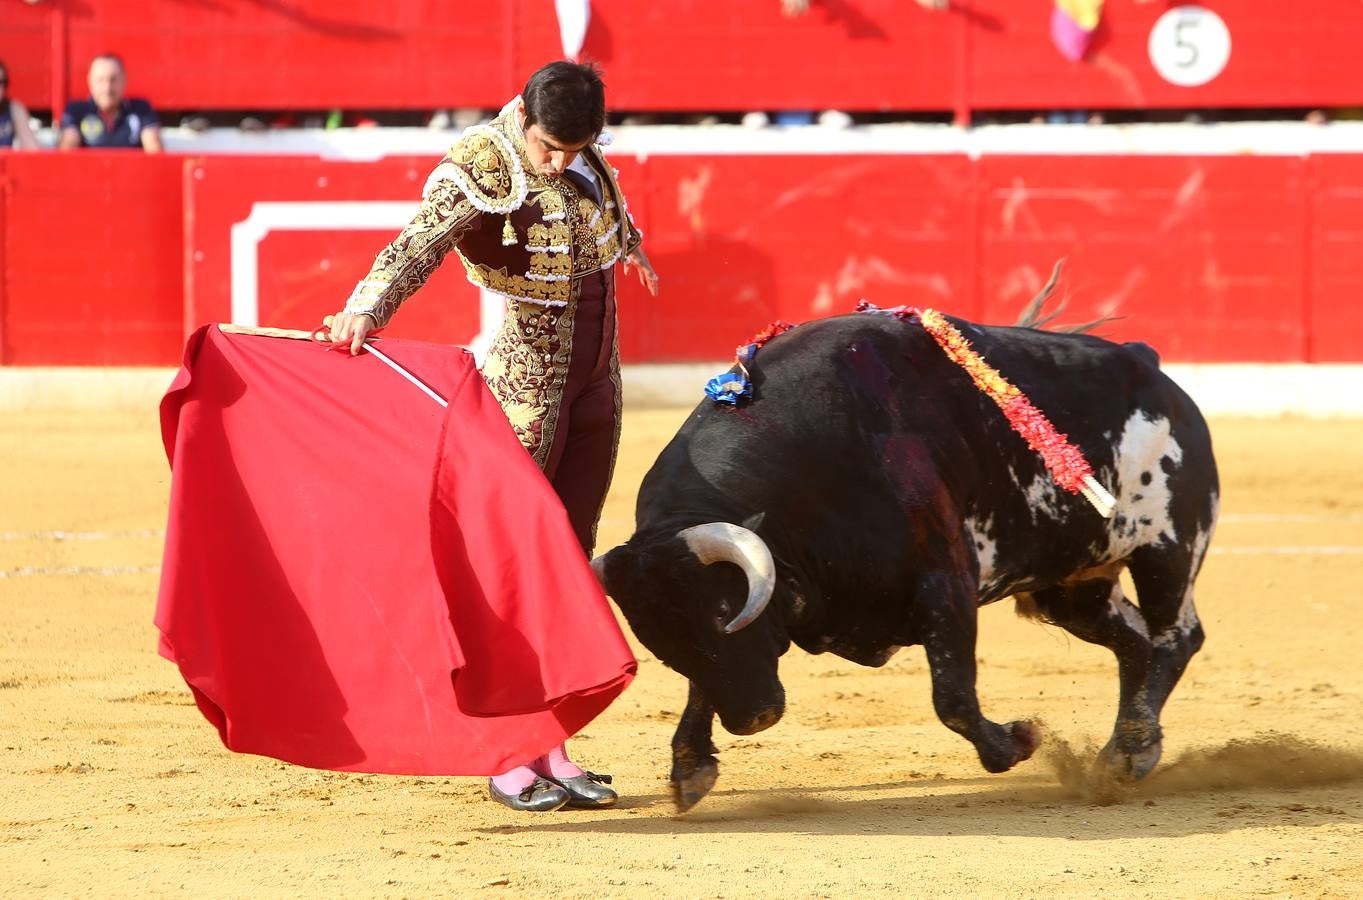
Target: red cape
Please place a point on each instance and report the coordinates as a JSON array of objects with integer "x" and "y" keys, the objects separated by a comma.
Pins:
[{"x": 357, "y": 579}]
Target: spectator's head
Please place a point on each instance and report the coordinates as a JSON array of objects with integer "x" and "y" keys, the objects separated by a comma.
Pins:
[
  {"x": 4, "y": 80},
  {"x": 107, "y": 81},
  {"x": 564, "y": 110}
]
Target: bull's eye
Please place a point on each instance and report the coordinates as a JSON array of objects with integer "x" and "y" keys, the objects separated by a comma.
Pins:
[{"x": 722, "y": 615}]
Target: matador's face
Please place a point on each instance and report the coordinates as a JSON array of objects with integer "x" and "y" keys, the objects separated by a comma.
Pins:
[{"x": 548, "y": 154}]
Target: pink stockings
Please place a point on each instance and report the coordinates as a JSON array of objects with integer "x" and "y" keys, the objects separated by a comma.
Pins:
[{"x": 554, "y": 764}]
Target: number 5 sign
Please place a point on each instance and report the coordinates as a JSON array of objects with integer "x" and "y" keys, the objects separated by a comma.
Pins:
[{"x": 1189, "y": 45}]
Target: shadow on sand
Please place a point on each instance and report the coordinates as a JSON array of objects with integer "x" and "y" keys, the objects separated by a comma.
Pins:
[{"x": 1204, "y": 791}]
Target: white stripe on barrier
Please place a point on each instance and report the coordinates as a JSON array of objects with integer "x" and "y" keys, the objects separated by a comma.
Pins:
[
  {"x": 320, "y": 215},
  {"x": 1262, "y": 138},
  {"x": 1319, "y": 391}
]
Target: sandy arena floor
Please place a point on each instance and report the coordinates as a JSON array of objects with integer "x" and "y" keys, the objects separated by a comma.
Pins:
[{"x": 112, "y": 784}]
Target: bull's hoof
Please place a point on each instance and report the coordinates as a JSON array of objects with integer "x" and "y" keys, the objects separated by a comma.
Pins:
[
  {"x": 1008, "y": 745},
  {"x": 1124, "y": 767},
  {"x": 690, "y": 788}
]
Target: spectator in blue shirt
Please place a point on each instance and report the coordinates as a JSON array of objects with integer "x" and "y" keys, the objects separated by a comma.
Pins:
[
  {"x": 14, "y": 130},
  {"x": 108, "y": 118}
]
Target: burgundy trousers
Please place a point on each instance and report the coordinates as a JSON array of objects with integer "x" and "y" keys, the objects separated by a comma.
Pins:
[{"x": 582, "y": 457}]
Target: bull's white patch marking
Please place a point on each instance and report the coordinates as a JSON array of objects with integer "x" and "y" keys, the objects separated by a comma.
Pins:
[
  {"x": 1040, "y": 494},
  {"x": 1183, "y": 626},
  {"x": 1204, "y": 538},
  {"x": 1042, "y": 498},
  {"x": 1128, "y": 612},
  {"x": 1017, "y": 482},
  {"x": 1142, "y": 485},
  {"x": 1187, "y": 619},
  {"x": 986, "y": 551}
]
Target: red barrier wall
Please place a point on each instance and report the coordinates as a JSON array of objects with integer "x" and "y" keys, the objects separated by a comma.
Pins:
[
  {"x": 742, "y": 240},
  {"x": 303, "y": 274},
  {"x": 26, "y": 47},
  {"x": 678, "y": 55},
  {"x": 719, "y": 55},
  {"x": 93, "y": 259},
  {"x": 1281, "y": 55},
  {"x": 306, "y": 54},
  {"x": 1334, "y": 283},
  {"x": 113, "y": 259},
  {"x": 1204, "y": 257}
]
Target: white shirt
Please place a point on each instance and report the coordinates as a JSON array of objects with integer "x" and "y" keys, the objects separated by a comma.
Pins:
[{"x": 579, "y": 165}]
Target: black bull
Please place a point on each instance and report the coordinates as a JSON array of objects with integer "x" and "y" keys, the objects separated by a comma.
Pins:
[{"x": 870, "y": 497}]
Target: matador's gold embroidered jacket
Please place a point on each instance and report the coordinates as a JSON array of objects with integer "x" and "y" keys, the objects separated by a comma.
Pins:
[{"x": 530, "y": 238}]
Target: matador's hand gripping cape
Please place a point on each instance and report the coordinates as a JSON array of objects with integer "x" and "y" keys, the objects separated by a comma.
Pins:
[{"x": 358, "y": 579}]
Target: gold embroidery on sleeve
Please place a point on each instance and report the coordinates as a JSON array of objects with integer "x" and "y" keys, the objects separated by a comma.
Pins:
[{"x": 403, "y": 266}]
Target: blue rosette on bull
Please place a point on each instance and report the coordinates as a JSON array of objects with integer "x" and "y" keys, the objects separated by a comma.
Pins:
[{"x": 731, "y": 386}]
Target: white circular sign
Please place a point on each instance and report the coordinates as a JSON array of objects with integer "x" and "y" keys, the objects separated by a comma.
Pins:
[{"x": 1189, "y": 45}]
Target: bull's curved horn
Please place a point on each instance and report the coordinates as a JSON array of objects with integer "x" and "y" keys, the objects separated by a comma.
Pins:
[
  {"x": 599, "y": 570},
  {"x": 724, "y": 542}
]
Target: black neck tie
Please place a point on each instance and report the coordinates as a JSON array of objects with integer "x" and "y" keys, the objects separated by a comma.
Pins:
[{"x": 586, "y": 187}]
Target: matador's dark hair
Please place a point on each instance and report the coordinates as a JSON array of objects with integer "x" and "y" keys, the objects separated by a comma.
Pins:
[{"x": 566, "y": 100}]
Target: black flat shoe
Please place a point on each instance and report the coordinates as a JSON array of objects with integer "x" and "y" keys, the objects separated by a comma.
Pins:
[
  {"x": 541, "y": 796},
  {"x": 587, "y": 791}
]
